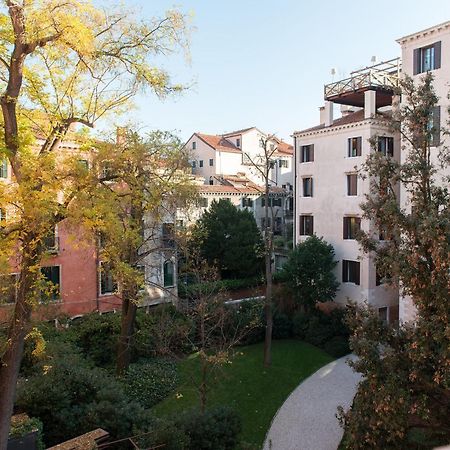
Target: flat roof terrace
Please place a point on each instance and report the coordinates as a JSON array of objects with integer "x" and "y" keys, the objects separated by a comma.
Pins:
[{"x": 383, "y": 78}]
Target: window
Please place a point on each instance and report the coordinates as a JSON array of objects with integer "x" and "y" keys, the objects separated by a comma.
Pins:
[
  {"x": 247, "y": 202},
  {"x": 211, "y": 162},
  {"x": 386, "y": 145},
  {"x": 352, "y": 184},
  {"x": 434, "y": 126},
  {"x": 8, "y": 288},
  {"x": 3, "y": 168},
  {"x": 238, "y": 143},
  {"x": 277, "y": 226},
  {"x": 107, "y": 170},
  {"x": 194, "y": 145},
  {"x": 307, "y": 153},
  {"x": 276, "y": 202},
  {"x": 383, "y": 313},
  {"x": 194, "y": 164},
  {"x": 427, "y": 58},
  {"x": 202, "y": 202},
  {"x": 306, "y": 225},
  {"x": 354, "y": 146},
  {"x": 211, "y": 181},
  {"x": 283, "y": 163},
  {"x": 169, "y": 274},
  {"x": 350, "y": 272},
  {"x": 351, "y": 227},
  {"x": 263, "y": 222},
  {"x": 307, "y": 187},
  {"x": 51, "y": 282},
  {"x": 83, "y": 164},
  {"x": 107, "y": 283},
  {"x": 2, "y": 217},
  {"x": 168, "y": 235},
  {"x": 200, "y": 163}
]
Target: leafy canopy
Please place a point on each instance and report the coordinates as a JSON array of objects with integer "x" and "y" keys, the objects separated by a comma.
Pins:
[
  {"x": 229, "y": 238},
  {"x": 308, "y": 272}
]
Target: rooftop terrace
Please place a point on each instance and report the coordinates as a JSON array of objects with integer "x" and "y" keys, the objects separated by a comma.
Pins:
[{"x": 382, "y": 77}]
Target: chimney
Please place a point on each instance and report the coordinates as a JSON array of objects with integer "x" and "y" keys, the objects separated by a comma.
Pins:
[
  {"x": 121, "y": 133},
  {"x": 370, "y": 104},
  {"x": 328, "y": 113}
]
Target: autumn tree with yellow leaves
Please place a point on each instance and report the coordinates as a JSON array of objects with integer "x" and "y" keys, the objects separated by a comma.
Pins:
[{"x": 62, "y": 62}]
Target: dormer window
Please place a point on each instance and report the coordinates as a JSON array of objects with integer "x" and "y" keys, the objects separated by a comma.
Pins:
[
  {"x": 194, "y": 145},
  {"x": 238, "y": 143}
]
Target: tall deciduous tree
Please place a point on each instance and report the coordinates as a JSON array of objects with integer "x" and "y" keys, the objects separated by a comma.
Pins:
[
  {"x": 141, "y": 186},
  {"x": 406, "y": 371},
  {"x": 61, "y": 63}
]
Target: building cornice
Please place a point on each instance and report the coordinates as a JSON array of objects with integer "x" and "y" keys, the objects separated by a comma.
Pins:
[
  {"x": 424, "y": 33},
  {"x": 333, "y": 129}
]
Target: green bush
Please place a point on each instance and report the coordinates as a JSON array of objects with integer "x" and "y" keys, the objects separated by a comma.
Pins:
[
  {"x": 282, "y": 326},
  {"x": 97, "y": 336},
  {"x": 163, "y": 331},
  {"x": 71, "y": 398},
  {"x": 337, "y": 346},
  {"x": 213, "y": 287},
  {"x": 157, "y": 431},
  {"x": 300, "y": 324},
  {"x": 247, "y": 320},
  {"x": 216, "y": 429},
  {"x": 150, "y": 382}
]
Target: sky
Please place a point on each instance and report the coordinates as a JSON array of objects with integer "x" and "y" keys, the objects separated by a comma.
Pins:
[{"x": 264, "y": 63}]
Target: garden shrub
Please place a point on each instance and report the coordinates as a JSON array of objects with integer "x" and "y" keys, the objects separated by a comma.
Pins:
[
  {"x": 300, "y": 324},
  {"x": 282, "y": 326},
  {"x": 157, "y": 431},
  {"x": 319, "y": 331},
  {"x": 150, "y": 382},
  {"x": 212, "y": 287},
  {"x": 247, "y": 319},
  {"x": 71, "y": 397},
  {"x": 163, "y": 331},
  {"x": 97, "y": 336},
  {"x": 337, "y": 346},
  {"x": 216, "y": 429}
]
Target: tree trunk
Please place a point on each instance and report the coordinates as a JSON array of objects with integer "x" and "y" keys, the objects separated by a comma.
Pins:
[
  {"x": 129, "y": 309},
  {"x": 18, "y": 329},
  {"x": 268, "y": 300}
]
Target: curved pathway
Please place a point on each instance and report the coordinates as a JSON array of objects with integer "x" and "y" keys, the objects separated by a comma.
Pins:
[{"x": 307, "y": 419}]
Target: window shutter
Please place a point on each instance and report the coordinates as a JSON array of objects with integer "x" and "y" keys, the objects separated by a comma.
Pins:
[
  {"x": 311, "y": 154},
  {"x": 436, "y": 126},
  {"x": 354, "y": 184},
  {"x": 344, "y": 230},
  {"x": 359, "y": 146},
  {"x": 357, "y": 276},
  {"x": 416, "y": 61},
  {"x": 437, "y": 55}
]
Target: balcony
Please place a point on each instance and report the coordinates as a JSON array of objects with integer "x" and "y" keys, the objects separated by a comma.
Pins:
[{"x": 383, "y": 78}]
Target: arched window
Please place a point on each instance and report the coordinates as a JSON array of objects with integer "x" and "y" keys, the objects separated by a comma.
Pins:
[
  {"x": 211, "y": 181},
  {"x": 169, "y": 274}
]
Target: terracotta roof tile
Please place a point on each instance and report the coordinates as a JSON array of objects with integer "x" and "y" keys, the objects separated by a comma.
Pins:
[{"x": 218, "y": 143}]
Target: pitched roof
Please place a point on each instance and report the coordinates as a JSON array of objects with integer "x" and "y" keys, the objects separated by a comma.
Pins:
[
  {"x": 218, "y": 143},
  {"x": 357, "y": 116},
  {"x": 283, "y": 148},
  {"x": 231, "y": 133}
]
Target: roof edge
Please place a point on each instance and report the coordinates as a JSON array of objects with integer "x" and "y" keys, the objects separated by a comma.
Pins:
[{"x": 423, "y": 32}]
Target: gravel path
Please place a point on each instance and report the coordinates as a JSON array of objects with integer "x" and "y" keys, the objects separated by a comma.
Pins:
[{"x": 307, "y": 419}]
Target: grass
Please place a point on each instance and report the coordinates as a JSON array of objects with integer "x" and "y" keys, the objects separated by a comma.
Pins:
[{"x": 256, "y": 393}]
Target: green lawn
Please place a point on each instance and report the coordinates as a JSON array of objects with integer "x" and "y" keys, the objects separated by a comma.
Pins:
[{"x": 256, "y": 393}]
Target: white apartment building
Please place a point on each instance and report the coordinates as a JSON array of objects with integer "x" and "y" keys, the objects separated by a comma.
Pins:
[
  {"x": 328, "y": 191},
  {"x": 225, "y": 164}
]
